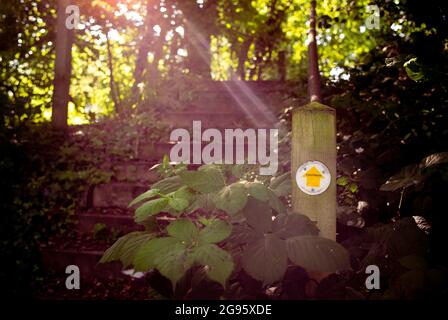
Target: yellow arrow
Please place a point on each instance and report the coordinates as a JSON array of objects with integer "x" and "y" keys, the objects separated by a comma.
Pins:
[{"x": 313, "y": 177}]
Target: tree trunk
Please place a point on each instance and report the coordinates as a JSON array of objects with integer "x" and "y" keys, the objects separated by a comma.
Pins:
[
  {"x": 242, "y": 57},
  {"x": 313, "y": 64},
  {"x": 142, "y": 55},
  {"x": 112, "y": 83},
  {"x": 62, "y": 69}
]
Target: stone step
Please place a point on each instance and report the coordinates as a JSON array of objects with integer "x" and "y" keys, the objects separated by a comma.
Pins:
[
  {"x": 135, "y": 171},
  {"x": 111, "y": 195},
  {"x": 57, "y": 260},
  {"x": 82, "y": 250},
  {"x": 88, "y": 222},
  {"x": 156, "y": 151},
  {"x": 217, "y": 104},
  {"x": 220, "y": 120}
]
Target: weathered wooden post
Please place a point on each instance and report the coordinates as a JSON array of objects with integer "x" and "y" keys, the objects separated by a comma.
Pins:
[{"x": 313, "y": 155}]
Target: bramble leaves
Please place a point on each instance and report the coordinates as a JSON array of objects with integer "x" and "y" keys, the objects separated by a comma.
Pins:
[
  {"x": 317, "y": 254},
  {"x": 150, "y": 208},
  {"x": 266, "y": 259},
  {"x": 144, "y": 196},
  {"x": 232, "y": 198},
  {"x": 218, "y": 262},
  {"x": 215, "y": 232},
  {"x": 125, "y": 248},
  {"x": 203, "y": 181}
]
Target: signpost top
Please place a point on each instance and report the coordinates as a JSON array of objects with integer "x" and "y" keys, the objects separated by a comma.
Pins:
[{"x": 315, "y": 106}]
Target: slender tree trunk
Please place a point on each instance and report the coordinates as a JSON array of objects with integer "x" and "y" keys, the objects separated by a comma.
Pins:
[
  {"x": 62, "y": 69},
  {"x": 112, "y": 83},
  {"x": 242, "y": 57},
  {"x": 143, "y": 50},
  {"x": 282, "y": 65},
  {"x": 313, "y": 64}
]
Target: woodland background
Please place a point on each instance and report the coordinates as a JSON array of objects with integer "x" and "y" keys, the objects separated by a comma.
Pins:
[{"x": 388, "y": 85}]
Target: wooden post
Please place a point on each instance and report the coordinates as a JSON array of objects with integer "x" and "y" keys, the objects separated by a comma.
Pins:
[
  {"x": 313, "y": 151},
  {"x": 314, "y": 139}
]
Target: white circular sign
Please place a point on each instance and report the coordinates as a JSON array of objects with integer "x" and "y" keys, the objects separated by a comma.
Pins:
[{"x": 313, "y": 177}]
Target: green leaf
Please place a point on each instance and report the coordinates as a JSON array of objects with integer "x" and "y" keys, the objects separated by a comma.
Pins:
[
  {"x": 219, "y": 262},
  {"x": 231, "y": 199},
  {"x": 407, "y": 177},
  {"x": 144, "y": 196},
  {"x": 242, "y": 234},
  {"x": 180, "y": 199},
  {"x": 258, "y": 190},
  {"x": 145, "y": 257},
  {"x": 215, "y": 232},
  {"x": 125, "y": 248},
  {"x": 184, "y": 230},
  {"x": 353, "y": 188},
  {"x": 258, "y": 215},
  {"x": 204, "y": 181},
  {"x": 168, "y": 255},
  {"x": 276, "y": 203},
  {"x": 178, "y": 204},
  {"x": 291, "y": 225},
  {"x": 150, "y": 208},
  {"x": 414, "y": 70},
  {"x": 342, "y": 181},
  {"x": 168, "y": 185},
  {"x": 317, "y": 254},
  {"x": 203, "y": 201},
  {"x": 265, "y": 259},
  {"x": 183, "y": 193},
  {"x": 434, "y": 159},
  {"x": 281, "y": 185}
]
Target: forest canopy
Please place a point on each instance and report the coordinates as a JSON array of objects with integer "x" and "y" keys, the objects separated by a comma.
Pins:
[{"x": 125, "y": 48}]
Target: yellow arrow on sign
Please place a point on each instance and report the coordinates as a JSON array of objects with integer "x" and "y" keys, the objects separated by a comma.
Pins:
[{"x": 313, "y": 177}]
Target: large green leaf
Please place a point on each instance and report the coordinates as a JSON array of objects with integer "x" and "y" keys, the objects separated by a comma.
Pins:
[
  {"x": 150, "y": 208},
  {"x": 180, "y": 199},
  {"x": 203, "y": 201},
  {"x": 258, "y": 215},
  {"x": 434, "y": 159},
  {"x": 317, "y": 254},
  {"x": 266, "y": 259},
  {"x": 204, "y": 181},
  {"x": 242, "y": 234},
  {"x": 219, "y": 262},
  {"x": 281, "y": 185},
  {"x": 232, "y": 198},
  {"x": 125, "y": 248},
  {"x": 294, "y": 224},
  {"x": 184, "y": 230},
  {"x": 178, "y": 204},
  {"x": 215, "y": 232},
  {"x": 168, "y": 185},
  {"x": 146, "y": 256},
  {"x": 144, "y": 196},
  {"x": 407, "y": 177},
  {"x": 258, "y": 190},
  {"x": 275, "y": 202}
]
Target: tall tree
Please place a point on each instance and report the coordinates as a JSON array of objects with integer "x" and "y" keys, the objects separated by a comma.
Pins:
[
  {"x": 62, "y": 69},
  {"x": 313, "y": 63}
]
